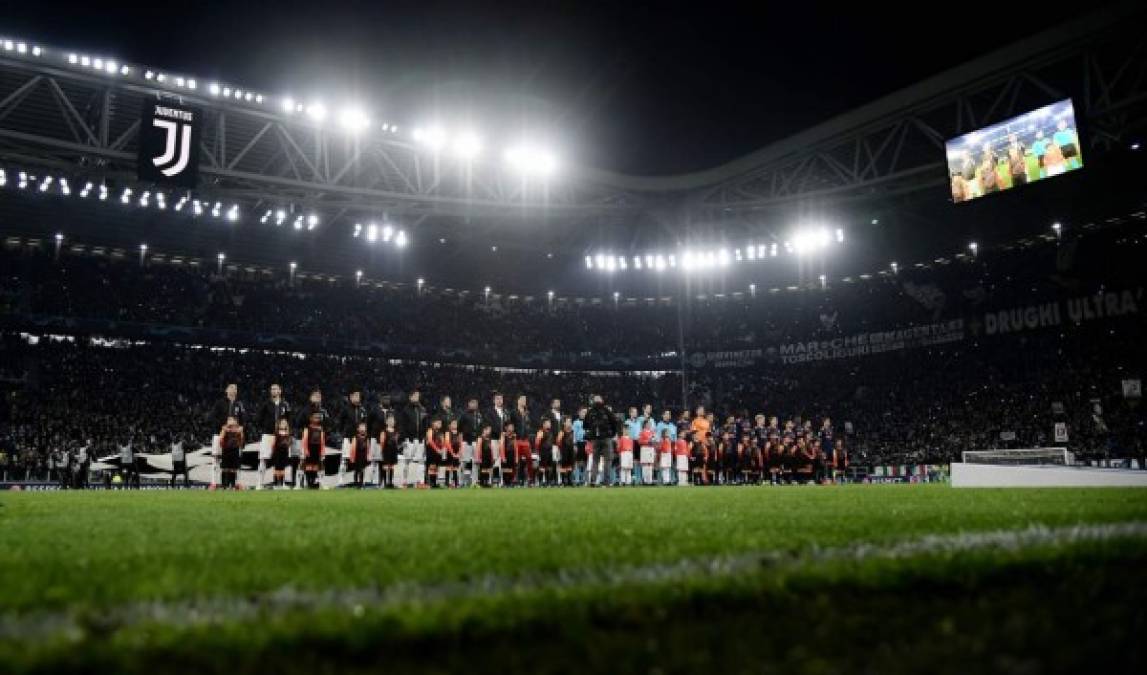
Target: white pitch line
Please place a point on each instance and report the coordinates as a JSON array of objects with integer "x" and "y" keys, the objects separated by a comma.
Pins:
[{"x": 75, "y": 625}]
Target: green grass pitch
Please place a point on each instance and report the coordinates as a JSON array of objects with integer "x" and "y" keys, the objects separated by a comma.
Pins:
[{"x": 879, "y": 579}]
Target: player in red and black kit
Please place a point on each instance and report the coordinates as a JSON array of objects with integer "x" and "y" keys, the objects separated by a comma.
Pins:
[
  {"x": 484, "y": 455},
  {"x": 567, "y": 451},
  {"x": 314, "y": 444},
  {"x": 544, "y": 447},
  {"x": 435, "y": 451},
  {"x": 281, "y": 452},
  {"x": 388, "y": 443},
  {"x": 700, "y": 463},
  {"x": 839, "y": 461},
  {"x": 231, "y": 447},
  {"x": 359, "y": 453},
  {"x": 509, "y": 455},
  {"x": 453, "y": 459}
]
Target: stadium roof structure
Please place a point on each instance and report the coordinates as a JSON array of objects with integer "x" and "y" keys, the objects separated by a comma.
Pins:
[{"x": 483, "y": 221}]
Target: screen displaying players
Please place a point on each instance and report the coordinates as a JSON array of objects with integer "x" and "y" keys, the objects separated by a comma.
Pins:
[{"x": 1036, "y": 145}]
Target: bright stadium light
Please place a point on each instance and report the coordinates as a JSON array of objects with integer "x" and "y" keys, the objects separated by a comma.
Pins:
[
  {"x": 317, "y": 112},
  {"x": 589, "y": 262},
  {"x": 974, "y": 248},
  {"x": 895, "y": 268},
  {"x": 400, "y": 239},
  {"x": 354, "y": 120},
  {"x": 432, "y": 137},
  {"x": 467, "y": 145},
  {"x": 372, "y": 233},
  {"x": 807, "y": 241},
  {"x": 387, "y": 232},
  {"x": 1058, "y": 229},
  {"x": 312, "y": 221},
  {"x": 288, "y": 105},
  {"x": 73, "y": 59},
  {"x": 214, "y": 88},
  {"x": 221, "y": 257},
  {"x": 531, "y": 160}
]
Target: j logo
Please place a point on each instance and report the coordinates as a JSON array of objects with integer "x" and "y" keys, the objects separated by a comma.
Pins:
[
  {"x": 169, "y": 143},
  {"x": 178, "y": 142}
]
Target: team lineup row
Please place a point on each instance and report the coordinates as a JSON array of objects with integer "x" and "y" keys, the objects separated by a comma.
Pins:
[{"x": 595, "y": 446}]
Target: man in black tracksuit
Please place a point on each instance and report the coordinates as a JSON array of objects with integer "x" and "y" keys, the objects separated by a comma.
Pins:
[
  {"x": 412, "y": 424},
  {"x": 497, "y": 416},
  {"x": 600, "y": 430},
  {"x": 470, "y": 426},
  {"x": 228, "y": 406}
]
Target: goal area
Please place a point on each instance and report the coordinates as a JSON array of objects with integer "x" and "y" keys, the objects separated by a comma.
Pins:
[{"x": 1020, "y": 457}]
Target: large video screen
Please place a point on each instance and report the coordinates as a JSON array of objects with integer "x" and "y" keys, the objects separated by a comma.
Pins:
[{"x": 1036, "y": 145}]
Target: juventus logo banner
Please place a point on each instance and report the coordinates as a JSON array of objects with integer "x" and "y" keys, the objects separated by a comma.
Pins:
[{"x": 169, "y": 143}]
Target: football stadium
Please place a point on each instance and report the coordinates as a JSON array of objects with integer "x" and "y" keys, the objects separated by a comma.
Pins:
[{"x": 569, "y": 338}]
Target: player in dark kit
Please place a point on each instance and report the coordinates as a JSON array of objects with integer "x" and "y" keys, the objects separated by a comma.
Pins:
[
  {"x": 353, "y": 414},
  {"x": 388, "y": 442},
  {"x": 567, "y": 453},
  {"x": 509, "y": 456},
  {"x": 267, "y": 419},
  {"x": 435, "y": 451},
  {"x": 231, "y": 447},
  {"x": 306, "y": 414},
  {"x": 359, "y": 452},
  {"x": 484, "y": 456},
  {"x": 281, "y": 452},
  {"x": 314, "y": 443},
  {"x": 544, "y": 447},
  {"x": 523, "y": 437}
]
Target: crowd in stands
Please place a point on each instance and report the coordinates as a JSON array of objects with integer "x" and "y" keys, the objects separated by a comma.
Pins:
[{"x": 38, "y": 283}]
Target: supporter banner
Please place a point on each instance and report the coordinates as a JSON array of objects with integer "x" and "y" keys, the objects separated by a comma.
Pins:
[
  {"x": 1071, "y": 310},
  {"x": 1060, "y": 432},
  {"x": 864, "y": 344},
  {"x": 169, "y": 143},
  {"x": 1132, "y": 388},
  {"x": 730, "y": 359}
]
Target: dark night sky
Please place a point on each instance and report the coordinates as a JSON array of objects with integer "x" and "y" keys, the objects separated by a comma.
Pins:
[{"x": 633, "y": 87}]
